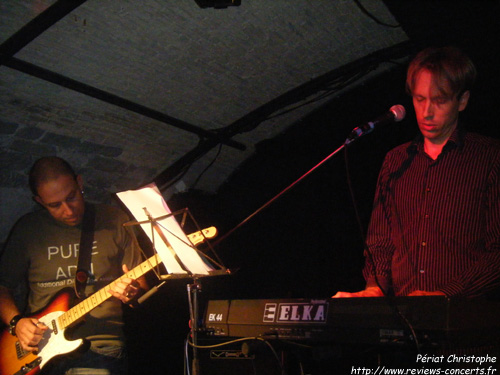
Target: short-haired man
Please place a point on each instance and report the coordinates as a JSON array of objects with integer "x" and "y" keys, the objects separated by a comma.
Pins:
[{"x": 43, "y": 251}]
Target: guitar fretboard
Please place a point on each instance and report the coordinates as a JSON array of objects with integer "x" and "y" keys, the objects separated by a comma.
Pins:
[{"x": 87, "y": 305}]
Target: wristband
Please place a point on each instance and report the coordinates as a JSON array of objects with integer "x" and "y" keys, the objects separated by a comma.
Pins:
[{"x": 13, "y": 324}]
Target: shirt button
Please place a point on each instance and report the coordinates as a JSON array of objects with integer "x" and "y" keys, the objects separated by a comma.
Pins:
[
  {"x": 422, "y": 271},
  {"x": 424, "y": 243}
]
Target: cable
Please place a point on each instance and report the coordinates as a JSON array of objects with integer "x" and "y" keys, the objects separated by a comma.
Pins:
[
  {"x": 207, "y": 167},
  {"x": 366, "y": 12},
  {"x": 186, "y": 358}
]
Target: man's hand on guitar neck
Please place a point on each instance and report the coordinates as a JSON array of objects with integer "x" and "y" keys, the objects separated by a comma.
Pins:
[
  {"x": 29, "y": 332},
  {"x": 127, "y": 289}
]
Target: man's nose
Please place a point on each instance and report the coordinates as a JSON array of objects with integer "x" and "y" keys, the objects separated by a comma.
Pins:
[
  {"x": 428, "y": 110},
  {"x": 68, "y": 210}
]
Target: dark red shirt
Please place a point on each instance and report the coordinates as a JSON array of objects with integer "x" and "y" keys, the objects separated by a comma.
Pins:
[{"x": 435, "y": 224}]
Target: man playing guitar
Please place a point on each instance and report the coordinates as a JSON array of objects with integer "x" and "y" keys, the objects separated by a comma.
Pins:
[{"x": 42, "y": 253}]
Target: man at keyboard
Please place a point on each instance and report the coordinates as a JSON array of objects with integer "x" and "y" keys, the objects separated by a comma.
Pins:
[{"x": 435, "y": 225}]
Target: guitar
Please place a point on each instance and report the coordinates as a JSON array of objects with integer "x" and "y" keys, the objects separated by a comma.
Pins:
[{"x": 59, "y": 315}]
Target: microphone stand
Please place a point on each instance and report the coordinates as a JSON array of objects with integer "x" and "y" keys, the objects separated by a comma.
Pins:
[{"x": 281, "y": 193}]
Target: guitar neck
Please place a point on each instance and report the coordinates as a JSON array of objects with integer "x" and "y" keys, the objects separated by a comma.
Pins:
[{"x": 87, "y": 305}]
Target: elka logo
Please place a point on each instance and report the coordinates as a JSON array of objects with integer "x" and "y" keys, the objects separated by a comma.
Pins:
[{"x": 295, "y": 312}]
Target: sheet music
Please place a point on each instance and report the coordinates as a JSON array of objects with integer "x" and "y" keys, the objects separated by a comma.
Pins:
[{"x": 149, "y": 197}]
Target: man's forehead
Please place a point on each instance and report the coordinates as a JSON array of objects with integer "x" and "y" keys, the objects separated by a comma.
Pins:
[
  {"x": 59, "y": 184},
  {"x": 438, "y": 87}
]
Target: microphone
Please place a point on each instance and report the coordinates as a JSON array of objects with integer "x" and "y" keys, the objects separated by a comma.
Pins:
[{"x": 395, "y": 114}]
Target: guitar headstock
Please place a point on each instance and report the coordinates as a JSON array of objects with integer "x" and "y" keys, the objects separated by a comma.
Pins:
[{"x": 198, "y": 237}]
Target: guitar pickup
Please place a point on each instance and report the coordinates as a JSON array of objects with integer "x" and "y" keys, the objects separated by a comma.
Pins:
[{"x": 20, "y": 352}]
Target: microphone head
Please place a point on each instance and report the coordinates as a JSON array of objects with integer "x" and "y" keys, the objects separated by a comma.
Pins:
[{"x": 399, "y": 112}]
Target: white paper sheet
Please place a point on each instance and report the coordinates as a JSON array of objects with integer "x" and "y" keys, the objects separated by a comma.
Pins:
[{"x": 149, "y": 197}]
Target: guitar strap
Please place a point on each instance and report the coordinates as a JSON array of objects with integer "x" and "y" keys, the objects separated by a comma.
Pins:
[{"x": 85, "y": 251}]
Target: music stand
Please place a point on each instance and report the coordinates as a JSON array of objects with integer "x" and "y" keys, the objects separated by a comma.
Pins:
[{"x": 177, "y": 251}]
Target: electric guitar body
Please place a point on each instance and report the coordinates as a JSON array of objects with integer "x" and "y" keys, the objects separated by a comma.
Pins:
[{"x": 15, "y": 360}]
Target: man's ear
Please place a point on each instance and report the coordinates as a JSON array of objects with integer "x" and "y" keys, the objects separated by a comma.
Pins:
[
  {"x": 463, "y": 100},
  {"x": 38, "y": 200}
]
